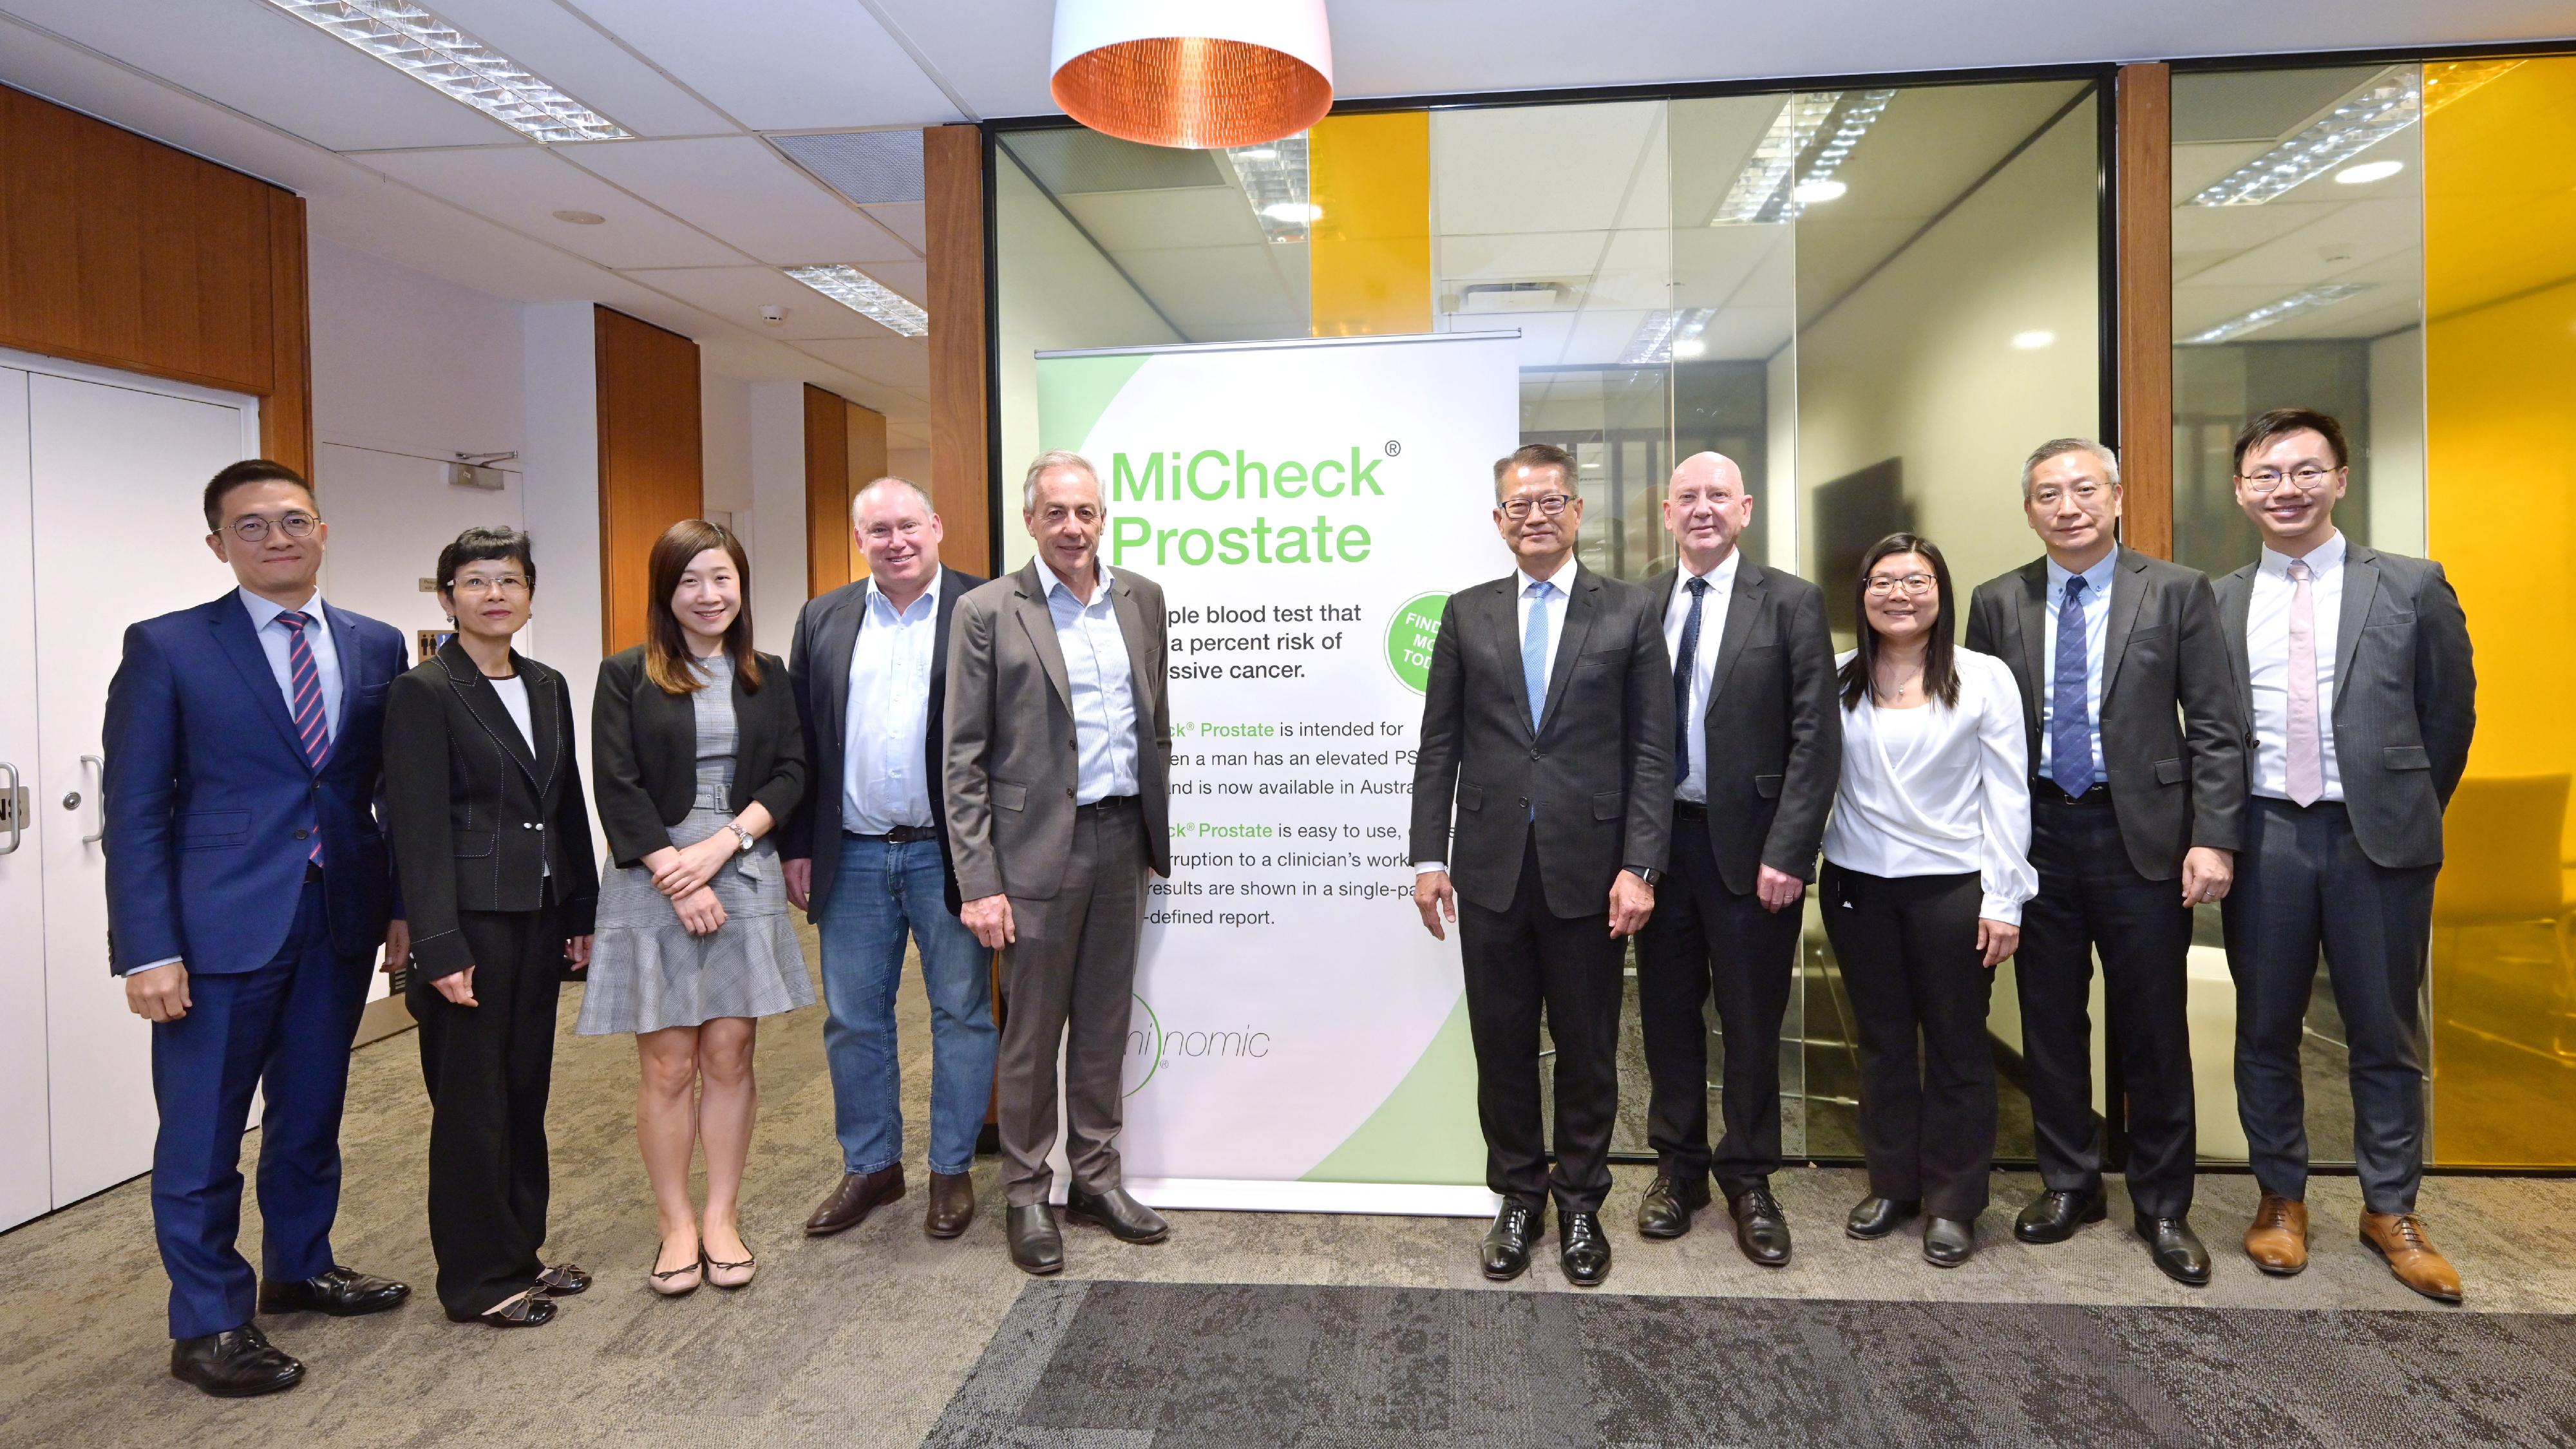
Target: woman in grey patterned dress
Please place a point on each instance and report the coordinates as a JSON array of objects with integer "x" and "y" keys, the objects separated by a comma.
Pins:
[{"x": 697, "y": 757}]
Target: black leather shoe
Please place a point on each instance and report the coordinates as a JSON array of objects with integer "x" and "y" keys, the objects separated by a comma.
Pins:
[
  {"x": 1761, "y": 1229},
  {"x": 237, "y": 1363},
  {"x": 563, "y": 1280},
  {"x": 1875, "y": 1217},
  {"x": 1036, "y": 1246},
  {"x": 1666, "y": 1210},
  {"x": 1948, "y": 1242},
  {"x": 2053, "y": 1216},
  {"x": 1127, "y": 1220},
  {"x": 2176, "y": 1249},
  {"x": 1582, "y": 1249},
  {"x": 1506, "y": 1249},
  {"x": 342, "y": 1293}
]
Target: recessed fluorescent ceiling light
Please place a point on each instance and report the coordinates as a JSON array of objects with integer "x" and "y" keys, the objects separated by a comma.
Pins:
[
  {"x": 2272, "y": 312},
  {"x": 2391, "y": 102},
  {"x": 428, "y": 49},
  {"x": 865, "y": 295},
  {"x": 2368, "y": 172},
  {"x": 1273, "y": 178},
  {"x": 1793, "y": 165},
  {"x": 1664, "y": 333}
]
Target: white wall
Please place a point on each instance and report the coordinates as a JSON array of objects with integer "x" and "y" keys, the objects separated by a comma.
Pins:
[
  {"x": 2396, "y": 442},
  {"x": 724, "y": 407},
  {"x": 774, "y": 531}
]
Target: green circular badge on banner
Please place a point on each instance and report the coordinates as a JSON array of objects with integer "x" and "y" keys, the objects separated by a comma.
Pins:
[{"x": 1409, "y": 637}]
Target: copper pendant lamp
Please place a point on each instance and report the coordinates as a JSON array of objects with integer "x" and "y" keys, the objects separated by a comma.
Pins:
[{"x": 1197, "y": 73}]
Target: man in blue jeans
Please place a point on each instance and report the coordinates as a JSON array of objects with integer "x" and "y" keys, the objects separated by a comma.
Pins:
[{"x": 870, "y": 666}]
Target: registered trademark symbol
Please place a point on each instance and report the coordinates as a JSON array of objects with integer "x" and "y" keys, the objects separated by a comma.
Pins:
[{"x": 1393, "y": 447}]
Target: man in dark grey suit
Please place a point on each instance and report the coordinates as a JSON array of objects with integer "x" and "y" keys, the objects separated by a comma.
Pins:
[
  {"x": 1059, "y": 756},
  {"x": 870, "y": 667},
  {"x": 1547, "y": 722},
  {"x": 1757, "y": 750},
  {"x": 2137, "y": 749},
  {"x": 2354, "y": 669}
]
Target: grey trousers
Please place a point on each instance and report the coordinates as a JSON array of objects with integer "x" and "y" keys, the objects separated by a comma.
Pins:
[{"x": 1070, "y": 977}]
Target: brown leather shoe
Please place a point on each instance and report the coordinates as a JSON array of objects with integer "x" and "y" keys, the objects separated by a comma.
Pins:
[
  {"x": 2399, "y": 1238},
  {"x": 2278, "y": 1239},
  {"x": 952, "y": 1204},
  {"x": 859, "y": 1194}
]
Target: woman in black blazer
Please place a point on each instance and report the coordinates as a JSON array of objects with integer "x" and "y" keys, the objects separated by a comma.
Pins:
[
  {"x": 697, "y": 756},
  {"x": 492, "y": 846}
]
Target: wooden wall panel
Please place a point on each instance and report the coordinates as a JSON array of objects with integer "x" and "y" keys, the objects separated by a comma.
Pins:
[
  {"x": 2144, "y": 248},
  {"x": 952, "y": 161},
  {"x": 124, "y": 252},
  {"x": 827, "y": 491},
  {"x": 867, "y": 465},
  {"x": 651, "y": 464}
]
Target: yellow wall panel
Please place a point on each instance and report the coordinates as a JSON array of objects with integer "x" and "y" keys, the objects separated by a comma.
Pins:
[{"x": 1370, "y": 248}]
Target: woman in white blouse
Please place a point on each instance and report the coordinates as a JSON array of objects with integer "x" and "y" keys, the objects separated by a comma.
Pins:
[{"x": 1926, "y": 868}]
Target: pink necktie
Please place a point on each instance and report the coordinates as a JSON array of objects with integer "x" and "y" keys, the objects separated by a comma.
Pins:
[{"x": 2306, "y": 775}]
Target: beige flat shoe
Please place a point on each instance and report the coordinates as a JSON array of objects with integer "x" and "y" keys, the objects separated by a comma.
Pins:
[
  {"x": 734, "y": 1275},
  {"x": 678, "y": 1282}
]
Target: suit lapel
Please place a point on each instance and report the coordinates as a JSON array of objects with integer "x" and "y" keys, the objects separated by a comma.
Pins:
[
  {"x": 2235, "y": 603},
  {"x": 2128, "y": 592},
  {"x": 1583, "y": 603},
  {"x": 1503, "y": 600},
  {"x": 833, "y": 645},
  {"x": 545, "y": 716},
  {"x": 344, "y": 642},
  {"x": 2030, "y": 619},
  {"x": 483, "y": 702},
  {"x": 1131, "y": 630},
  {"x": 2360, "y": 581},
  {"x": 1039, "y": 621},
  {"x": 234, "y": 633},
  {"x": 1744, "y": 602}
]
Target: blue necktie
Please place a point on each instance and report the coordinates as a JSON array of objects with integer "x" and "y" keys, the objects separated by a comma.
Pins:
[
  {"x": 2070, "y": 716},
  {"x": 1684, "y": 661},
  {"x": 1534, "y": 651}
]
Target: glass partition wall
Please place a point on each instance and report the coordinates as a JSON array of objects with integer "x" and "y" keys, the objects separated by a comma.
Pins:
[{"x": 1875, "y": 301}]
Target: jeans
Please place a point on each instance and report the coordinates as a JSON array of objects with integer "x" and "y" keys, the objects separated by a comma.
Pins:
[{"x": 881, "y": 892}]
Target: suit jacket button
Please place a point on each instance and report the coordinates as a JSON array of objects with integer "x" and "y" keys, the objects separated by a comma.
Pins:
[
  {"x": 303, "y": 834},
  {"x": 1538, "y": 754}
]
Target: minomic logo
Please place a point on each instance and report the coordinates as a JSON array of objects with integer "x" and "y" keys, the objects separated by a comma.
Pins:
[{"x": 1150, "y": 1046}]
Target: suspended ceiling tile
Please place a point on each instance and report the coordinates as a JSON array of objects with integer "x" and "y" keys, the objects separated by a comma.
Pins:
[
  {"x": 576, "y": 57},
  {"x": 906, "y": 219},
  {"x": 911, "y": 280},
  {"x": 1517, "y": 256},
  {"x": 1603, "y": 335},
  {"x": 782, "y": 65},
  {"x": 1561, "y": 168},
  {"x": 523, "y": 186},
  {"x": 889, "y": 361},
  {"x": 738, "y": 189},
  {"x": 737, "y": 294}
]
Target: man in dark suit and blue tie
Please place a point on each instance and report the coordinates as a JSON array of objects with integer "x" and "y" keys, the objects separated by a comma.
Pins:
[{"x": 248, "y": 888}]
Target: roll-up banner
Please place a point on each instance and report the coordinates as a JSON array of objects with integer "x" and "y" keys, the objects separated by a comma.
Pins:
[{"x": 1299, "y": 1042}]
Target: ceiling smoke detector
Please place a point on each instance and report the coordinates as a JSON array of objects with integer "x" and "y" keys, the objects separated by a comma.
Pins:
[{"x": 774, "y": 315}]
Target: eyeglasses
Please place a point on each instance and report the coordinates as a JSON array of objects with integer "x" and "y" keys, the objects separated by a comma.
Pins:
[
  {"x": 1549, "y": 504},
  {"x": 510, "y": 584},
  {"x": 2269, "y": 480},
  {"x": 251, "y": 528},
  {"x": 1882, "y": 585},
  {"x": 2084, "y": 492}
]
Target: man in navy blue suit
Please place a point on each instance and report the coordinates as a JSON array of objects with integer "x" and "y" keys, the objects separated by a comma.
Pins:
[{"x": 248, "y": 888}]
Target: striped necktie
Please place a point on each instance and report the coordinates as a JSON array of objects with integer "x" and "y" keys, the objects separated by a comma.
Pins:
[{"x": 312, "y": 721}]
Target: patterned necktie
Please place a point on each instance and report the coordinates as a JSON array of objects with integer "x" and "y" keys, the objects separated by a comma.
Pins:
[
  {"x": 312, "y": 722},
  {"x": 1685, "y": 661},
  {"x": 2070, "y": 713},
  {"x": 2305, "y": 772},
  {"x": 1534, "y": 650}
]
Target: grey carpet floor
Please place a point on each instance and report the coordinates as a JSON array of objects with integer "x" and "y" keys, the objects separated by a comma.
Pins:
[{"x": 1208, "y": 1366}]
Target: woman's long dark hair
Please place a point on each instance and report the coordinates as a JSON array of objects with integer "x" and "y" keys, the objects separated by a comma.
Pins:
[
  {"x": 1940, "y": 666},
  {"x": 666, "y": 649}
]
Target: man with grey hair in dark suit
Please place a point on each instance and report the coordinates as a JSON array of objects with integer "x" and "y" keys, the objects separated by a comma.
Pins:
[
  {"x": 1547, "y": 721},
  {"x": 1059, "y": 756},
  {"x": 2353, "y": 666},
  {"x": 2137, "y": 752}
]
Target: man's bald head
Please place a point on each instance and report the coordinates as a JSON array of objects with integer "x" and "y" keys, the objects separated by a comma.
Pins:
[{"x": 1706, "y": 509}]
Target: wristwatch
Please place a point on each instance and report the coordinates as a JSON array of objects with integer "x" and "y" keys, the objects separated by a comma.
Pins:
[
  {"x": 1650, "y": 877},
  {"x": 745, "y": 847}
]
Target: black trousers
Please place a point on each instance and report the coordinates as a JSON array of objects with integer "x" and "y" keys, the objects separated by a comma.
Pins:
[
  {"x": 1908, "y": 951},
  {"x": 2092, "y": 899},
  {"x": 1518, "y": 961},
  {"x": 2303, "y": 884},
  {"x": 489, "y": 1068},
  {"x": 1705, "y": 941}
]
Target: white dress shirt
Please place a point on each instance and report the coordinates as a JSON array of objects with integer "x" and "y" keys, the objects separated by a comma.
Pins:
[
  {"x": 2267, "y": 661},
  {"x": 1104, "y": 696},
  {"x": 2096, "y": 608},
  {"x": 1938, "y": 790},
  {"x": 1693, "y": 786},
  {"x": 886, "y": 720},
  {"x": 1560, "y": 594},
  {"x": 275, "y": 639}
]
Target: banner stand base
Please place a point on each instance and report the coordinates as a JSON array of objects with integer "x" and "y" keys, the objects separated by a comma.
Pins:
[{"x": 1392, "y": 1199}]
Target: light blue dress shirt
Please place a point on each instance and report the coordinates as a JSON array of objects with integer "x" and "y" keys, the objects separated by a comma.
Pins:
[
  {"x": 275, "y": 639},
  {"x": 887, "y": 721},
  {"x": 2096, "y": 604},
  {"x": 1104, "y": 696}
]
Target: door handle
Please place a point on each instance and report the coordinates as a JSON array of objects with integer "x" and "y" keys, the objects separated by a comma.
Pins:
[
  {"x": 13, "y": 809},
  {"x": 100, "y": 834}
]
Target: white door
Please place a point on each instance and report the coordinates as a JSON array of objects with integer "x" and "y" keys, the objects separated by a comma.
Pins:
[
  {"x": 26, "y": 1165},
  {"x": 116, "y": 472}
]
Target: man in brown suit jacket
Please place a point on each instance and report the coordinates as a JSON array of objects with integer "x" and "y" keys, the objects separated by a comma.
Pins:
[{"x": 1059, "y": 752}]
